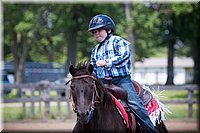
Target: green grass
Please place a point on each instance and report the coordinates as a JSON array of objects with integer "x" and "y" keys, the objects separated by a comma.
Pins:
[
  {"x": 12, "y": 113},
  {"x": 16, "y": 113},
  {"x": 177, "y": 95},
  {"x": 179, "y": 111}
]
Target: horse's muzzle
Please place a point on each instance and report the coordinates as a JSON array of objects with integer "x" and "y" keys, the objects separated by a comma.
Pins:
[{"x": 83, "y": 116}]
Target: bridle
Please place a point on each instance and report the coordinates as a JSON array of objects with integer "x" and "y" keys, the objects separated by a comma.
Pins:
[{"x": 94, "y": 95}]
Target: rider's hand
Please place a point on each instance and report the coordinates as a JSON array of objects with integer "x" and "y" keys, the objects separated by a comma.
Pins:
[{"x": 101, "y": 63}]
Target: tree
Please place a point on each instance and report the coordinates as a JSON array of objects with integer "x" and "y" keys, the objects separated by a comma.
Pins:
[
  {"x": 58, "y": 32},
  {"x": 20, "y": 28},
  {"x": 187, "y": 28},
  {"x": 196, "y": 47},
  {"x": 176, "y": 19},
  {"x": 171, "y": 43},
  {"x": 49, "y": 42},
  {"x": 146, "y": 31}
]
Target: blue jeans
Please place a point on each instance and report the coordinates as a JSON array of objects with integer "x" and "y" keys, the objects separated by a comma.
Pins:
[{"x": 135, "y": 102}]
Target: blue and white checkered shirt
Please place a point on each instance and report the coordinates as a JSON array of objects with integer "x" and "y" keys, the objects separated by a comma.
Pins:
[{"x": 116, "y": 52}]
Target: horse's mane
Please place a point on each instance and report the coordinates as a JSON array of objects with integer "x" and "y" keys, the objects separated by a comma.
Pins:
[{"x": 104, "y": 96}]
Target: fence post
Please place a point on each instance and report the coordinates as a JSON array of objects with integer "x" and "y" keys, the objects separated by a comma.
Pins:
[
  {"x": 23, "y": 94},
  {"x": 32, "y": 103},
  {"x": 58, "y": 103},
  {"x": 40, "y": 104},
  {"x": 47, "y": 103},
  {"x": 67, "y": 91},
  {"x": 190, "y": 96},
  {"x": 46, "y": 97}
]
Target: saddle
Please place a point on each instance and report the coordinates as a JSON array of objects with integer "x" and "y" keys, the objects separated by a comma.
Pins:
[{"x": 121, "y": 94}]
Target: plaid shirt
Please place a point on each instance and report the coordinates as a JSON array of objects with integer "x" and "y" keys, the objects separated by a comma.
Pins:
[{"x": 116, "y": 52}]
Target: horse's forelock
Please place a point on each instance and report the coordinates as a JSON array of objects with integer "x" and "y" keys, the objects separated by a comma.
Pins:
[
  {"x": 83, "y": 64},
  {"x": 81, "y": 68}
]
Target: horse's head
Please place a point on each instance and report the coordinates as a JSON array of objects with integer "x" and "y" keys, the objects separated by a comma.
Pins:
[{"x": 83, "y": 90}]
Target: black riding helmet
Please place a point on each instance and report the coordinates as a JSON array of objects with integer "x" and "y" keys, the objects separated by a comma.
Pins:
[{"x": 101, "y": 21}]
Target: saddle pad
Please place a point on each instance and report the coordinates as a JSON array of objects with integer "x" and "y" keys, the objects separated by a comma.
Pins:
[
  {"x": 121, "y": 109},
  {"x": 154, "y": 111},
  {"x": 152, "y": 106}
]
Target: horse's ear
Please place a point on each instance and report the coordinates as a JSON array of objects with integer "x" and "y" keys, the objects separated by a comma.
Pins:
[
  {"x": 72, "y": 70},
  {"x": 90, "y": 68}
]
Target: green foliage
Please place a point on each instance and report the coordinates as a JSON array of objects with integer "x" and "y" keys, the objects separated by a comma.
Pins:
[
  {"x": 48, "y": 26},
  {"x": 27, "y": 24},
  {"x": 179, "y": 26},
  {"x": 12, "y": 94},
  {"x": 181, "y": 8},
  {"x": 146, "y": 31}
]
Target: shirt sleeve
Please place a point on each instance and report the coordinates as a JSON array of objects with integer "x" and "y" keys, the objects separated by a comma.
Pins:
[
  {"x": 92, "y": 60},
  {"x": 121, "y": 52}
]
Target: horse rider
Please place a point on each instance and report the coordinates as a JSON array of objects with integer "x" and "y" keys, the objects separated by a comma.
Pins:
[{"x": 111, "y": 58}]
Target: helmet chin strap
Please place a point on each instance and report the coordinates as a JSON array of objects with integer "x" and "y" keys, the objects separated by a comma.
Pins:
[
  {"x": 109, "y": 31},
  {"x": 108, "y": 36}
]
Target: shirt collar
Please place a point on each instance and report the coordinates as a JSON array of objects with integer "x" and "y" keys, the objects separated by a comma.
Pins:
[{"x": 108, "y": 36}]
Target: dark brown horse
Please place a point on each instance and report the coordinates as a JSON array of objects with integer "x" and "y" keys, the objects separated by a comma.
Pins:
[{"x": 94, "y": 105}]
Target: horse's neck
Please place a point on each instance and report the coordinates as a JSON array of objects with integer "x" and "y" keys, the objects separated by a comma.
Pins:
[
  {"x": 106, "y": 105},
  {"x": 103, "y": 108},
  {"x": 107, "y": 117},
  {"x": 98, "y": 116}
]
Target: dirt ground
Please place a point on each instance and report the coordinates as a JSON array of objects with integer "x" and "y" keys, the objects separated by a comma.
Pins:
[{"x": 189, "y": 126}]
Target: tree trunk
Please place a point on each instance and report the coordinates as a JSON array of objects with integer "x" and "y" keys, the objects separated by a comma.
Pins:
[
  {"x": 196, "y": 53},
  {"x": 20, "y": 58},
  {"x": 71, "y": 34},
  {"x": 50, "y": 52},
  {"x": 130, "y": 36},
  {"x": 20, "y": 52},
  {"x": 17, "y": 55},
  {"x": 170, "y": 65}
]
